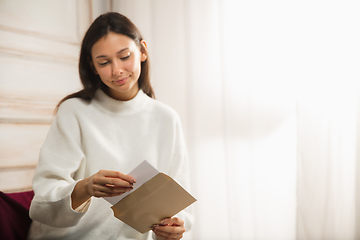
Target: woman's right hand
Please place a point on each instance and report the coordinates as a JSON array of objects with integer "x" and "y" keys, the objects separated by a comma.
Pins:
[
  {"x": 104, "y": 183},
  {"x": 108, "y": 184}
]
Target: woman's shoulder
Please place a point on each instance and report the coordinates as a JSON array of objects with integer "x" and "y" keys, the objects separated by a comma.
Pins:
[
  {"x": 73, "y": 106},
  {"x": 162, "y": 109},
  {"x": 74, "y": 103}
]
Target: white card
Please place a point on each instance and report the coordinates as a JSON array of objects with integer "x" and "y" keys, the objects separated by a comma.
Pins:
[{"x": 142, "y": 173}]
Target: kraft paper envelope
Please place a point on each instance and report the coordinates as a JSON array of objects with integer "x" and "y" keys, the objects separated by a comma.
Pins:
[{"x": 160, "y": 197}]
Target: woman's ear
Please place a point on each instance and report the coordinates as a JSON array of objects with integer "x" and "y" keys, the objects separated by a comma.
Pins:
[{"x": 143, "y": 50}]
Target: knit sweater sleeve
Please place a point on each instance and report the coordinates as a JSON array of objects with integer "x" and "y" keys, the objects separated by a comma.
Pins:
[
  {"x": 180, "y": 170},
  {"x": 59, "y": 159}
]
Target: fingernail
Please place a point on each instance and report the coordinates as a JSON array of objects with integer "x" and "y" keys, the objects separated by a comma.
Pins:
[{"x": 133, "y": 180}]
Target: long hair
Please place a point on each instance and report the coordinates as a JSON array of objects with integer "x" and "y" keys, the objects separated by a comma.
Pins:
[{"x": 101, "y": 26}]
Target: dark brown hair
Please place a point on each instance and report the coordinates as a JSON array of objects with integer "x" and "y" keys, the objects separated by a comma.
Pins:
[{"x": 105, "y": 23}]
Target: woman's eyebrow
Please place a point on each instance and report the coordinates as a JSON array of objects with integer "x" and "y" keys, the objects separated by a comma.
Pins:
[{"x": 103, "y": 56}]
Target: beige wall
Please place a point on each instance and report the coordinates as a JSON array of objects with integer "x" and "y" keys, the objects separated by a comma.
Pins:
[{"x": 39, "y": 45}]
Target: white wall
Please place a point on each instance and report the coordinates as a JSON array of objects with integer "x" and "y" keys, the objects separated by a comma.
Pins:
[{"x": 39, "y": 47}]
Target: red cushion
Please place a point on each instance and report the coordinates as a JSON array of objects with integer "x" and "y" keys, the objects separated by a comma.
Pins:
[
  {"x": 24, "y": 198},
  {"x": 14, "y": 218}
]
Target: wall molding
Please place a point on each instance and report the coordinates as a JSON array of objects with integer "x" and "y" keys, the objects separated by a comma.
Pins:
[
  {"x": 15, "y": 190},
  {"x": 26, "y": 110},
  {"x": 25, "y": 120},
  {"x": 38, "y": 56},
  {"x": 39, "y": 35},
  {"x": 23, "y": 179},
  {"x": 17, "y": 168}
]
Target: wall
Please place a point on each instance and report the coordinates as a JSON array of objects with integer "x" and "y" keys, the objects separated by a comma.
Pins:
[{"x": 39, "y": 46}]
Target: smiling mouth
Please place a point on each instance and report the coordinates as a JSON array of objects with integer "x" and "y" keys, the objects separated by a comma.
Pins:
[{"x": 121, "y": 81}]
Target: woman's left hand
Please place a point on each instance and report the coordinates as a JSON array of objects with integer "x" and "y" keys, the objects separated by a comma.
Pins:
[{"x": 169, "y": 228}]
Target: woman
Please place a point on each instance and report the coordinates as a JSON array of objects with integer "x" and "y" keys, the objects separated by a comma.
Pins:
[{"x": 102, "y": 132}]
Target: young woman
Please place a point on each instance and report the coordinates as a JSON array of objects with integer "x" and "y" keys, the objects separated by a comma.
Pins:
[{"x": 99, "y": 134}]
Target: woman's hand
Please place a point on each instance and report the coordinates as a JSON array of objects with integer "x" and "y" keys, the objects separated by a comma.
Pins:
[
  {"x": 108, "y": 184},
  {"x": 102, "y": 184},
  {"x": 169, "y": 228}
]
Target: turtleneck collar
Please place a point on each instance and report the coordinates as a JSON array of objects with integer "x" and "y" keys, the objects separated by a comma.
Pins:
[{"x": 113, "y": 106}]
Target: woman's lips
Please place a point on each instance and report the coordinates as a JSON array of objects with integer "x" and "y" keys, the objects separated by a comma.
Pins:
[{"x": 122, "y": 81}]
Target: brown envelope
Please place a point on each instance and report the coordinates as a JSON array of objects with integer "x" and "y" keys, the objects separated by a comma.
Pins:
[{"x": 160, "y": 197}]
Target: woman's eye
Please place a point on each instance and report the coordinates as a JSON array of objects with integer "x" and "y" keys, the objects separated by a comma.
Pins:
[
  {"x": 103, "y": 63},
  {"x": 124, "y": 58}
]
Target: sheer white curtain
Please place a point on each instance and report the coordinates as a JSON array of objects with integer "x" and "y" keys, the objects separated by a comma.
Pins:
[{"x": 268, "y": 95}]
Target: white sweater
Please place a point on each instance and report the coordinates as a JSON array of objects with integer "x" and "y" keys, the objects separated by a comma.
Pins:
[{"x": 86, "y": 137}]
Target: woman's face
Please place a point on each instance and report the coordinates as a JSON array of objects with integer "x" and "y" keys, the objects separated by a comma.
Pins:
[{"x": 117, "y": 60}]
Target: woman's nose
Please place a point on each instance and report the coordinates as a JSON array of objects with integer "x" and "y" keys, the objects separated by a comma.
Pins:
[{"x": 117, "y": 69}]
